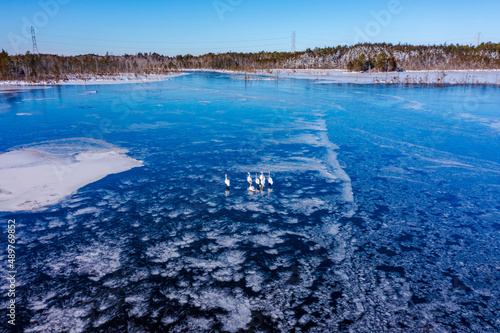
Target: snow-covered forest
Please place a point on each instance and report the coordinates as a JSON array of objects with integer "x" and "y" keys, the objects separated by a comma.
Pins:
[{"x": 360, "y": 57}]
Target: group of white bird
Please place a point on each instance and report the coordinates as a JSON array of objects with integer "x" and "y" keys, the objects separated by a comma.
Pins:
[{"x": 260, "y": 181}]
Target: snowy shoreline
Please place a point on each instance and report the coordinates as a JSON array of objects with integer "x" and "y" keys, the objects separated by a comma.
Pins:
[
  {"x": 427, "y": 77},
  {"x": 90, "y": 80},
  {"x": 432, "y": 77}
]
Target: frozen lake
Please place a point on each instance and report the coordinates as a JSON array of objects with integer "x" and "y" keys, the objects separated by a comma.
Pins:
[{"x": 384, "y": 214}]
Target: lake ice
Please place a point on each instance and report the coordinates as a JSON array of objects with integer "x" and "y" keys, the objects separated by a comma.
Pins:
[{"x": 383, "y": 216}]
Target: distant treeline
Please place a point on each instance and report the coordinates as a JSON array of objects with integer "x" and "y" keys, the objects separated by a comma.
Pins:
[{"x": 360, "y": 57}]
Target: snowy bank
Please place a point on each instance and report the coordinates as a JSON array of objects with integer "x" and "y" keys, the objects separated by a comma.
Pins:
[
  {"x": 92, "y": 80},
  {"x": 39, "y": 175},
  {"x": 406, "y": 77}
]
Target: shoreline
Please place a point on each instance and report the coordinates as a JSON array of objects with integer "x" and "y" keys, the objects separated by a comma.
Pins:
[
  {"x": 338, "y": 76},
  {"x": 90, "y": 80}
]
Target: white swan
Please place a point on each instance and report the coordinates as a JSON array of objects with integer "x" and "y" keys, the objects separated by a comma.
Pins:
[
  {"x": 257, "y": 181},
  {"x": 227, "y": 183},
  {"x": 251, "y": 188},
  {"x": 270, "y": 180},
  {"x": 262, "y": 180},
  {"x": 249, "y": 179}
]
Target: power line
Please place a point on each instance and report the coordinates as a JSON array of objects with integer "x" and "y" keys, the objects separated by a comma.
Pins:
[
  {"x": 279, "y": 47},
  {"x": 187, "y": 48},
  {"x": 167, "y": 42}
]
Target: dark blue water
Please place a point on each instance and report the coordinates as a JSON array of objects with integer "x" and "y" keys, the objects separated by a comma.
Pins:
[{"x": 383, "y": 216}]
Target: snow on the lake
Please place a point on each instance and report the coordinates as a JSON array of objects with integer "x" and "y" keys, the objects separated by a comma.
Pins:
[{"x": 38, "y": 175}]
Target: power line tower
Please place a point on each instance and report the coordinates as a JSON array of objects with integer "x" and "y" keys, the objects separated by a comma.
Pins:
[
  {"x": 293, "y": 42},
  {"x": 478, "y": 39},
  {"x": 35, "y": 47}
]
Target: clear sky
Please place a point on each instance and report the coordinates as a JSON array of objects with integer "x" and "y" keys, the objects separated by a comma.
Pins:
[{"x": 167, "y": 27}]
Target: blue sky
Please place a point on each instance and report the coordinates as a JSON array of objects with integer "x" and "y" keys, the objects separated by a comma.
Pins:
[{"x": 200, "y": 26}]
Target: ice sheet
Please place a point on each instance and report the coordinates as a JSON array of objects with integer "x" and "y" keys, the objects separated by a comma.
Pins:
[{"x": 39, "y": 175}]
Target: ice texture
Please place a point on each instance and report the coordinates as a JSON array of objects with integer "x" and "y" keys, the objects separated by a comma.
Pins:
[{"x": 383, "y": 216}]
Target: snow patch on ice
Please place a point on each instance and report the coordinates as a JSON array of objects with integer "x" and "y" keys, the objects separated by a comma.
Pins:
[
  {"x": 39, "y": 175},
  {"x": 238, "y": 308},
  {"x": 162, "y": 252},
  {"x": 495, "y": 126},
  {"x": 254, "y": 280},
  {"x": 97, "y": 260},
  {"x": 65, "y": 319}
]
